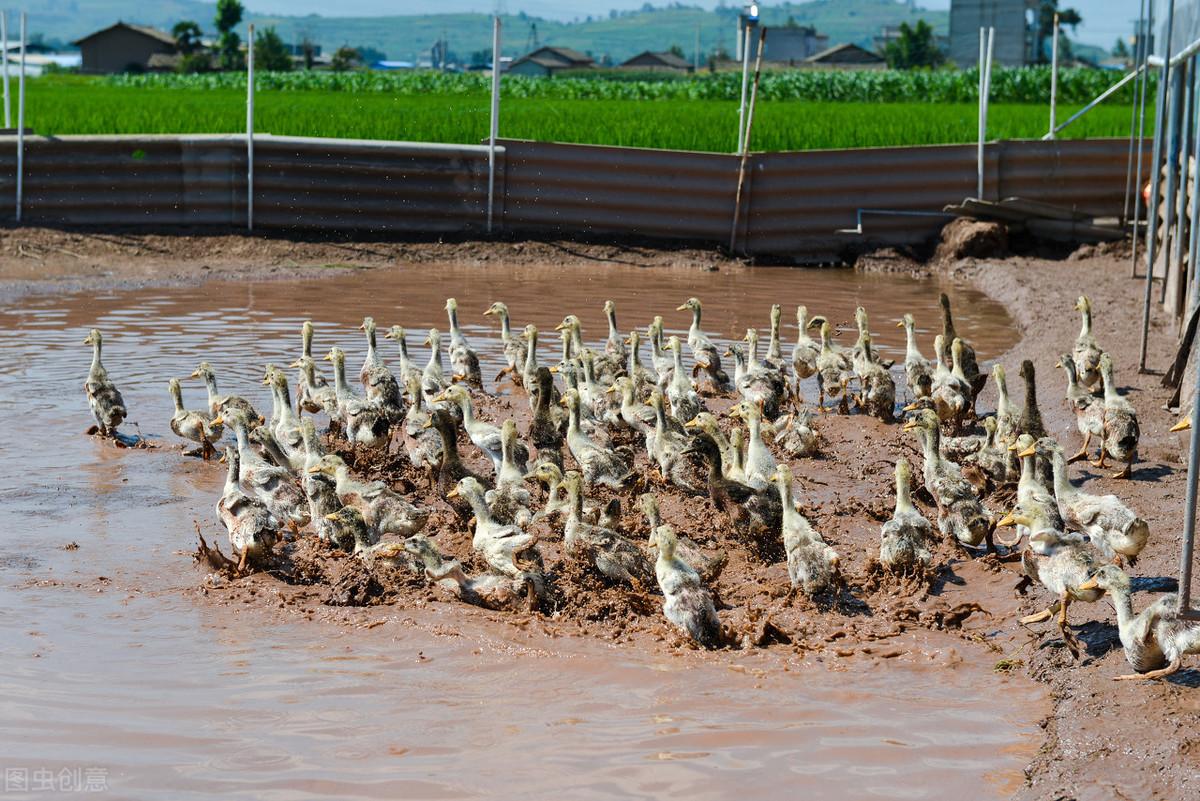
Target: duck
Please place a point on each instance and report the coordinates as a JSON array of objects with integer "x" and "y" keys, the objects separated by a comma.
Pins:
[
  {"x": 951, "y": 394},
  {"x": 599, "y": 465},
  {"x": 382, "y": 389},
  {"x": 731, "y": 456},
  {"x": 760, "y": 462},
  {"x": 1086, "y": 353},
  {"x": 364, "y": 423},
  {"x": 877, "y": 394},
  {"x": 483, "y": 435},
  {"x": 997, "y": 463},
  {"x": 196, "y": 426},
  {"x": 613, "y": 556},
  {"x": 550, "y": 476},
  {"x": 349, "y": 531},
  {"x": 687, "y": 603},
  {"x": 660, "y": 360},
  {"x": 219, "y": 405},
  {"x": 666, "y": 449},
  {"x": 407, "y": 369},
  {"x": 833, "y": 368},
  {"x": 488, "y": 590},
  {"x": 464, "y": 361},
  {"x": 451, "y": 468},
  {"x": 1030, "y": 420},
  {"x": 1089, "y": 410},
  {"x": 612, "y": 362},
  {"x": 1156, "y": 640},
  {"x": 904, "y": 539},
  {"x": 249, "y": 524},
  {"x": 422, "y": 444},
  {"x": 704, "y": 352},
  {"x": 968, "y": 360},
  {"x": 757, "y": 513},
  {"x": 545, "y": 428},
  {"x": 1112, "y": 527},
  {"x": 319, "y": 489},
  {"x": 433, "y": 379},
  {"x": 805, "y": 351},
  {"x": 797, "y": 436},
  {"x": 1062, "y": 563},
  {"x": 1008, "y": 416},
  {"x": 1121, "y": 429},
  {"x": 812, "y": 564},
  {"x": 512, "y": 345},
  {"x": 274, "y": 486},
  {"x": 509, "y": 501},
  {"x": 104, "y": 399},
  {"x": 306, "y": 381},
  {"x": 960, "y": 514},
  {"x": 385, "y": 511},
  {"x": 501, "y": 545},
  {"x": 685, "y": 402},
  {"x": 917, "y": 369},
  {"x": 709, "y": 567}
]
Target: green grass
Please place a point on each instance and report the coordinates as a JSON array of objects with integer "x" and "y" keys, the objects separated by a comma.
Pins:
[{"x": 82, "y": 106}]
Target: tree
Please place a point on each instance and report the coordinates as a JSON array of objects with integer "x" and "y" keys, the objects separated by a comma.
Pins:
[
  {"x": 344, "y": 58},
  {"x": 270, "y": 53},
  {"x": 229, "y": 14},
  {"x": 308, "y": 49},
  {"x": 368, "y": 55},
  {"x": 676, "y": 50},
  {"x": 1120, "y": 49},
  {"x": 915, "y": 47},
  {"x": 1067, "y": 17},
  {"x": 187, "y": 36}
]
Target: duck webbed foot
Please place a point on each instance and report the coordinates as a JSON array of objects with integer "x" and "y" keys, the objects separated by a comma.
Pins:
[
  {"x": 1153, "y": 674},
  {"x": 1127, "y": 472}
]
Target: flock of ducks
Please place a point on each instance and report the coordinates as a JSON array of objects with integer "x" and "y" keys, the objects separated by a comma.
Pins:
[{"x": 279, "y": 476}]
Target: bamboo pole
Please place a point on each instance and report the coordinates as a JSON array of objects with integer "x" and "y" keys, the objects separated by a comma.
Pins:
[
  {"x": 250, "y": 129},
  {"x": 737, "y": 199},
  {"x": 494, "y": 131}
]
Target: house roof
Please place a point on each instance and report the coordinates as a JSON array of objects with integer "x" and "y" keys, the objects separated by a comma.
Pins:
[
  {"x": 546, "y": 57},
  {"x": 666, "y": 58},
  {"x": 846, "y": 53},
  {"x": 145, "y": 30}
]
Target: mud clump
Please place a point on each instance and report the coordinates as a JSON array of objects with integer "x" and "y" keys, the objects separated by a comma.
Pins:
[{"x": 964, "y": 238}]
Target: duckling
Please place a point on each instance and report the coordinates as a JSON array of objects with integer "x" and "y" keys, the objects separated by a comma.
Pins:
[
  {"x": 970, "y": 365},
  {"x": 286, "y": 427},
  {"x": 664, "y": 365},
  {"x": 372, "y": 361},
  {"x": 812, "y": 564},
  {"x": 451, "y": 469},
  {"x": 385, "y": 511},
  {"x": 615, "y": 557},
  {"x": 315, "y": 395},
  {"x": 1062, "y": 563},
  {"x": 601, "y": 407},
  {"x": 1034, "y": 498},
  {"x": 1030, "y": 421},
  {"x": 634, "y": 415},
  {"x": 797, "y": 437},
  {"x": 917, "y": 369},
  {"x": 833, "y": 368},
  {"x": 685, "y": 403},
  {"x": 877, "y": 396},
  {"x": 1008, "y": 417},
  {"x": 422, "y": 444},
  {"x": 1156, "y": 640},
  {"x": 1121, "y": 429},
  {"x": 274, "y": 486},
  {"x": 1111, "y": 526},
  {"x": 599, "y": 465},
  {"x": 614, "y": 359},
  {"x": 501, "y": 545},
  {"x": 704, "y": 352},
  {"x": 774, "y": 358},
  {"x": 994, "y": 458},
  {"x": 762, "y": 385},
  {"x": 687, "y": 603},
  {"x": 489, "y": 590},
  {"x": 196, "y": 426},
  {"x": 951, "y": 393},
  {"x": 266, "y": 444},
  {"x": 959, "y": 511},
  {"x": 1086, "y": 353},
  {"x": 666, "y": 449},
  {"x": 484, "y": 436},
  {"x": 433, "y": 380},
  {"x": 104, "y": 399},
  {"x": 219, "y": 405},
  {"x": 306, "y": 382},
  {"x": 509, "y": 501},
  {"x": 760, "y": 462},
  {"x": 758, "y": 513},
  {"x": 364, "y": 423},
  {"x": 574, "y": 329},
  {"x": 250, "y": 525},
  {"x": 512, "y": 346},
  {"x": 545, "y": 429},
  {"x": 709, "y": 567},
  {"x": 1089, "y": 410},
  {"x": 382, "y": 389},
  {"x": 904, "y": 540},
  {"x": 550, "y": 476},
  {"x": 530, "y": 368},
  {"x": 635, "y": 371},
  {"x": 731, "y": 455},
  {"x": 407, "y": 369},
  {"x": 350, "y": 532},
  {"x": 464, "y": 361},
  {"x": 320, "y": 489},
  {"x": 805, "y": 351}
]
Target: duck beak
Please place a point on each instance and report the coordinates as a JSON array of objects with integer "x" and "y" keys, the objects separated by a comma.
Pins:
[
  {"x": 1058, "y": 364},
  {"x": 327, "y": 357},
  {"x": 218, "y": 421},
  {"x": 682, "y": 308},
  {"x": 693, "y": 423},
  {"x": 912, "y": 407},
  {"x": 314, "y": 469},
  {"x": 900, "y": 324},
  {"x": 909, "y": 425},
  {"x": 1007, "y": 520},
  {"x": 195, "y": 374},
  {"x": 331, "y": 516},
  {"x": 362, "y": 327},
  {"x": 774, "y": 476},
  {"x": 1012, "y": 447},
  {"x": 453, "y": 493},
  {"x": 87, "y": 340},
  {"x": 1030, "y": 451},
  {"x": 295, "y": 363},
  {"x": 1090, "y": 584},
  {"x": 266, "y": 380},
  {"x": 560, "y": 326},
  {"x": 223, "y": 459},
  {"x": 611, "y": 390},
  {"x": 438, "y": 398},
  {"x": 553, "y": 368},
  {"x": 1182, "y": 425}
]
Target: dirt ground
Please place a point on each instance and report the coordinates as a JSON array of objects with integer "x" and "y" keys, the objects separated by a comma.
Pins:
[{"x": 1134, "y": 740}]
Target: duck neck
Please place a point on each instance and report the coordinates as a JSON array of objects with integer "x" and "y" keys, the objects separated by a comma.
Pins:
[
  {"x": 677, "y": 361},
  {"x": 802, "y": 321},
  {"x": 286, "y": 415},
  {"x": 177, "y": 397},
  {"x": 695, "y": 329},
  {"x": 455, "y": 331},
  {"x": 613, "y": 334},
  {"x": 1063, "y": 488},
  {"x": 1085, "y": 328},
  {"x": 1110, "y": 389},
  {"x": 210, "y": 384},
  {"x": 306, "y": 338},
  {"x": 903, "y": 494},
  {"x": 1003, "y": 404},
  {"x": 635, "y": 357},
  {"x": 405, "y": 362},
  {"x": 573, "y": 420},
  {"x": 932, "y": 445},
  {"x": 1122, "y": 604},
  {"x": 342, "y": 479},
  {"x": 947, "y": 323},
  {"x": 243, "y": 440},
  {"x": 660, "y": 418},
  {"x": 531, "y": 355},
  {"x": 468, "y": 413},
  {"x": 754, "y": 423},
  {"x": 483, "y": 515},
  {"x": 435, "y": 354},
  {"x": 574, "y": 502},
  {"x": 231, "y": 473},
  {"x": 505, "y": 327},
  {"x": 339, "y": 377},
  {"x": 312, "y": 448},
  {"x": 97, "y": 365},
  {"x": 774, "y": 350},
  {"x": 784, "y": 483},
  {"x": 910, "y": 342},
  {"x": 371, "y": 356},
  {"x": 450, "y": 456}
]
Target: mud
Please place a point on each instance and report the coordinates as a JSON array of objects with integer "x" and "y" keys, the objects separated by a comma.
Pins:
[{"x": 945, "y": 648}]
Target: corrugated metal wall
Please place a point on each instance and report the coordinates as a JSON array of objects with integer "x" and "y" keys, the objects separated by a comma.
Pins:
[{"x": 793, "y": 204}]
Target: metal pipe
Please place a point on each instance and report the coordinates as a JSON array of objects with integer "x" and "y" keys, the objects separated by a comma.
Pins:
[
  {"x": 983, "y": 111},
  {"x": 1194, "y": 216},
  {"x": 1053, "y": 79},
  {"x": 250, "y": 129},
  {"x": 1172, "y": 168},
  {"x": 1189, "y": 514},
  {"x": 1107, "y": 93},
  {"x": 1155, "y": 184},
  {"x": 979, "y": 146},
  {"x": 21, "y": 125},
  {"x": 1137, "y": 61},
  {"x": 737, "y": 198},
  {"x": 745, "y": 80},
  {"x": 495, "y": 128},
  {"x": 4, "y": 36},
  {"x": 1175, "y": 266},
  {"x": 1141, "y": 149}
]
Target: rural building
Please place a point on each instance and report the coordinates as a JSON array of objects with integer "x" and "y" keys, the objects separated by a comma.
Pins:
[
  {"x": 791, "y": 45},
  {"x": 124, "y": 48},
  {"x": 1015, "y": 24},
  {"x": 547, "y": 61},
  {"x": 847, "y": 56},
  {"x": 650, "y": 60},
  {"x": 891, "y": 33}
]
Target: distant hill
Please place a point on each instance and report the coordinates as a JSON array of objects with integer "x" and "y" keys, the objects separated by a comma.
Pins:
[{"x": 617, "y": 35}]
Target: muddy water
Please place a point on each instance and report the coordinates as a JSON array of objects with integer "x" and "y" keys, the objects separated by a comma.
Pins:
[{"x": 118, "y": 669}]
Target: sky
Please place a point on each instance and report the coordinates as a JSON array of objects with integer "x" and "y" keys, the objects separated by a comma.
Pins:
[{"x": 1104, "y": 20}]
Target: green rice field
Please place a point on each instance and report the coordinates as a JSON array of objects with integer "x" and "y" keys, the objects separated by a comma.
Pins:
[{"x": 458, "y": 113}]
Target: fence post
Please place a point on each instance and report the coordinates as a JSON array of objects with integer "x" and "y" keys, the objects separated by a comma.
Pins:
[
  {"x": 4, "y": 36},
  {"x": 1053, "y": 79},
  {"x": 20, "y": 124},
  {"x": 495, "y": 128},
  {"x": 985, "y": 87},
  {"x": 1141, "y": 147},
  {"x": 250, "y": 128},
  {"x": 745, "y": 81}
]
